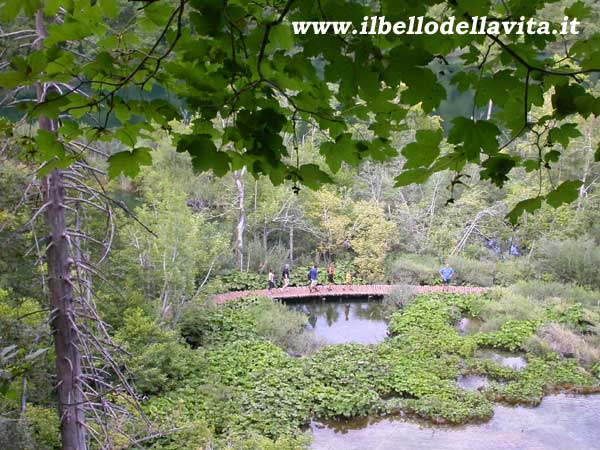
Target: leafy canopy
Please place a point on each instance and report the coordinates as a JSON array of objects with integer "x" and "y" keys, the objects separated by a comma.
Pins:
[{"x": 120, "y": 69}]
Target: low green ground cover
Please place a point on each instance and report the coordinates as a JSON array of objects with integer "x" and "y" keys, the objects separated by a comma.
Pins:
[
  {"x": 242, "y": 381},
  {"x": 249, "y": 375}
]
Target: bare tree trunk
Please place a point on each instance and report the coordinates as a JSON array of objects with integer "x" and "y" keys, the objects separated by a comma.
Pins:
[
  {"x": 66, "y": 339},
  {"x": 265, "y": 235},
  {"x": 292, "y": 243},
  {"x": 255, "y": 194},
  {"x": 489, "y": 110},
  {"x": 23, "y": 397},
  {"x": 238, "y": 176},
  {"x": 586, "y": 171},
  {"x": 62, "y": 320}
]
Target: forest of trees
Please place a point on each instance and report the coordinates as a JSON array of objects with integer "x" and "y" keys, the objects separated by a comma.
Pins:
[{"x": 153, "y": 154}]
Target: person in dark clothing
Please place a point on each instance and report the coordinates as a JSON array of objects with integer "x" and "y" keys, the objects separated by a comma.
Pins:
[{"x": 285, "y": 277}]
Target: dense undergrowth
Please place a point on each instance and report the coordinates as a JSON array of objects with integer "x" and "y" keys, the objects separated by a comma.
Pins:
[
  {"x": 247, "y": 374},
  {"x": 242, "y": 380}
]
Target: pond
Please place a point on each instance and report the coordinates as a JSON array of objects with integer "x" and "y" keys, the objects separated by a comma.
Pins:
[
  {"x": 562, "y": 422},
  {"x": 358, "y": 320}
]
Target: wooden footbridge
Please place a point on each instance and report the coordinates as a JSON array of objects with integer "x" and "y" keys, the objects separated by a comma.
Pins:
[{"x": 372, "y": 290}]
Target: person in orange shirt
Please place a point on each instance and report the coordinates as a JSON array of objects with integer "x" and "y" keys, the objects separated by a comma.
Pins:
[{"x": 330, "y": 272}]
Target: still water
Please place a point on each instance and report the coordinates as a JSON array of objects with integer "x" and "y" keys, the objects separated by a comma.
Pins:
[
  {"x": 340, "y": 321},
  {"x": 561, "y": 422}
]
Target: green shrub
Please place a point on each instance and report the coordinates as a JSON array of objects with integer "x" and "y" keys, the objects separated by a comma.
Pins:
[
  {"x": 506, "y": 307},
  {"x": 541, "y": 376},
  {"x": 343, "y": 381},
  {"x": 472, "y": 272},
  {"x": 511, "y": 336},
  {"x": 513, "y": 270},
  {"x": 248, "y": 318},
  {"x": 208, "y": 324},
  {"x": 38, "y": 429},
  {"x": 571, "y": 261},
  {"x": 299, "y": 275},
  {"x": 16, "y": 434},
  {"x": 544, "y": 291},
  {"x": 460, "y": 407},
  {"x": 113, "y": 306},
  {"x": 240, "y": 281},
  {"x": 413, "y": 270},
  {"x": 399, "y": 297},
  {"x": 285, "y": 328},
  {"x": 44, "y": 425},
  {"x": 156, "y": 356}
]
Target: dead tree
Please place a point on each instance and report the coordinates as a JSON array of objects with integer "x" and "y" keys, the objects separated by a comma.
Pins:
[{"x": 90, "y": 371}]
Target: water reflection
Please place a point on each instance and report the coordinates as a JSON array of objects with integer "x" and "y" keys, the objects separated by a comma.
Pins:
[
  {"x": 562, "y": 422},
  {"x": 506, "y": 359},
  {"x": 340, "y": 321},
  {"x": 472, "y": 382}
]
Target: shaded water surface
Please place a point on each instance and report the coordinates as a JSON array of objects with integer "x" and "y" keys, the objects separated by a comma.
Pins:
[
  {"x": 561, "y": 422},
  {"x": 341, "y": 321},
  {"x": 472, "y": 382},
  {"x": 506, "y": 359}
]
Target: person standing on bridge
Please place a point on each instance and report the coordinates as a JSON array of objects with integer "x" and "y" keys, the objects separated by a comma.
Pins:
[
  {"x": 271, "y": 280},
  {"x": 348, "y": 280},
  {"x": 285, "y": 277},
  {"x": 313, "y": 273},
  {"x": 330, "y": 272},
  {"x": 446, "y": 273}
]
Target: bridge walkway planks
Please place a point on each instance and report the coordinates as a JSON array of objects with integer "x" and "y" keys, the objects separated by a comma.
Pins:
[{"x": 372, "y": 290}]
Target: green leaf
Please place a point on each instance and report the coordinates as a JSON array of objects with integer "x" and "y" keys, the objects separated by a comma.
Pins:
[
  {"x": 566, "y": 192},
  {"x": 563, "y": 134},
  {"x": 48, "y": 145},
  {"x": 531, "y": 164},
  {"x": 552, "y": 156},
  {"x": 51, "y": 7},
  {"x": 158, "y": 13},
  {"x": 578, "y": 10},
  {"x": 343, "y": 149},
  {"x": 597, "y": 154},
  {"x": 529, "y": 205},
  {"x": 109, "y": 7},
  {"x": 10, "y": 10},
  {"x": 204, "y": 153},
  {"x": 496, "y": 169},
  {"x": 280, "y": 38},
  {"x": 411, "y": 176},
  {"x": 128, "y": 162},
  {"x": 312, "y": 176},
  {"x": 570, "y": 99},
  {"x": 475, "y": 136},
  {"x": 424, "y": 151}
]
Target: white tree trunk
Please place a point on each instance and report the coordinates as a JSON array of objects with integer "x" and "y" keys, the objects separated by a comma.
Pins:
[{"x": 238, "y": 177}]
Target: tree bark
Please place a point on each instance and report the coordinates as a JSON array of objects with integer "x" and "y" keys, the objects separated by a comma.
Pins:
[
  {"x": 66, "y": 339},
  {"x": 62, "y": 319},
  {"x": 238, "y": 177},
  {"x": 292, "y": 243}
]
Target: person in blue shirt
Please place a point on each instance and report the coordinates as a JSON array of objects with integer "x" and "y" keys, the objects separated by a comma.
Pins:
[
  {"x": 312, "y": 277},
  {"x": 446, "y": 273}
]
